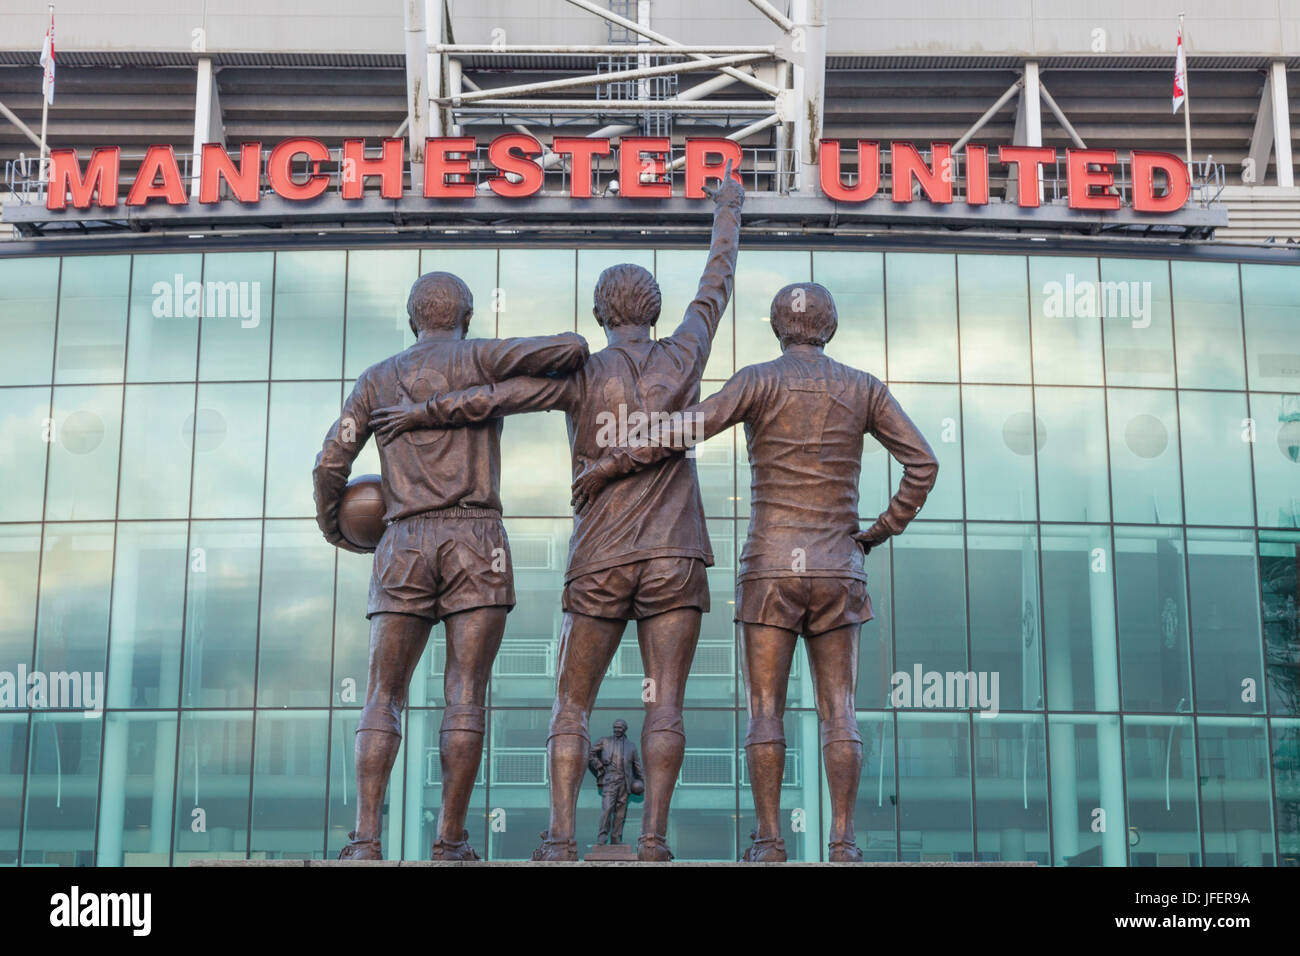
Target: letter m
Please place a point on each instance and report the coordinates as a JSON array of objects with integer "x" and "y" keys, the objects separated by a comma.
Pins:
[{"x": 99, "y": 181}]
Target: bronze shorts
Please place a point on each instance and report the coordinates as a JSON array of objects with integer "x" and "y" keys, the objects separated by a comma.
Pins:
[
  {"x": 804, "y": 604},
  {"x": 639, "y": 590},
  {"x": 436, "y": 564}
]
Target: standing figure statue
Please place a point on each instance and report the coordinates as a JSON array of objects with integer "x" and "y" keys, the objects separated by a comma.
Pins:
[
  {"x": 802, "y": 570},
  {"x": 444, "y": 555},
  {"x": 618, "y": 772},
  {"x": 640, "y": 552}
]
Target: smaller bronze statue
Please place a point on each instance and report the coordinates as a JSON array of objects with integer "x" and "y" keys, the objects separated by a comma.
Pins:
[{"x": 618, "y": 772}]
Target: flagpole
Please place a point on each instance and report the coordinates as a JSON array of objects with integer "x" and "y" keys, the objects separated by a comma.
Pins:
[
  {"x": 45, "y": 108},
  {"x": 1187, "y": 98}
]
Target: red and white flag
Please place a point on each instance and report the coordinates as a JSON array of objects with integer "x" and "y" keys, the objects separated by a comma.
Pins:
[
  {"x": 47, "y": 61},
  {"x": 1180, "y": 74}
]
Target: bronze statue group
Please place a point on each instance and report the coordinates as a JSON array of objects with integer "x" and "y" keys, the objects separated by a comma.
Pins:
[{"x": 639, "y": 547}]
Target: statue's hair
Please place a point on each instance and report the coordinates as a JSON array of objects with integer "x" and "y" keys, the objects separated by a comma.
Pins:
[
  {"x": 803, "y": 313},
  {"x": 627, "y": 294},
  {"x": 439, "y": 300}
]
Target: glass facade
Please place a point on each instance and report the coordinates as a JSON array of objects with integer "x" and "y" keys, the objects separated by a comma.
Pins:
[{"x": 1113, "y": 543}]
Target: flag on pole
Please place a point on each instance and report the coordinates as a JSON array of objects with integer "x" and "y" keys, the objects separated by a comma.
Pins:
[
  {"x": 47, "y": 61},
  {"x": 1180, "y": 73}
]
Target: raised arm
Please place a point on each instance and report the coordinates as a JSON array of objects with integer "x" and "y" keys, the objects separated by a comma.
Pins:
[
  {"x": 670, "y": 435},
  {"x": 901, "y": 438},
  {"x": 343, "y": 443},
  {"x": 700, "y": 324},
  {"x": 499, "y": 359}
]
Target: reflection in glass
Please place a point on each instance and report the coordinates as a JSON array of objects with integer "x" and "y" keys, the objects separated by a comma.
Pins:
[
  {"x": 1207, "y": 325},
  {"x": 994, "y": 319},
  {"x": 921, "y": 291}
]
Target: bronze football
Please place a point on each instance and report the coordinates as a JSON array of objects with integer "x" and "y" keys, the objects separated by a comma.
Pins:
[{"x": 361, "y": 512}]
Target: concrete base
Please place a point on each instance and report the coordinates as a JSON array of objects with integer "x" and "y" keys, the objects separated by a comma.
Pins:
[{"x": 611, "y": 853}]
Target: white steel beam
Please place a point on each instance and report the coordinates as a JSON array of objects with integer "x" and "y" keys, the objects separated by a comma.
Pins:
[
  {"x": 809, "y": 31},
  {"x": 1281, "y": 125},
  {"x": 773, "y": 14},
  {"x": 208, "y": 127},
  {"x": 747, "y": 78},
  {"x": 418, "y": 90},
  {"x": 603, "y": 49}
]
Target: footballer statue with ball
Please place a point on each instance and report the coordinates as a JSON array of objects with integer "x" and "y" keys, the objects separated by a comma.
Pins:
[{"x": 433, "y": 522}]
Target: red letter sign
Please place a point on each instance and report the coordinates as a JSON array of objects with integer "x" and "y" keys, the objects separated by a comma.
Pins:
[
  {"x": 1179, "y": 188},
  {"x": 831, "y": 175},
  {"x": 158, "y": 160},
  {"x": 279, "y": 168},
  {"x": 631, "y": 167},
  {"x": 502, "y": 153},
  {"x": 1081, "y": 178},
  {"x": 907, "y": 164},
  {"x": 581, "y": 149},
  {"x": 356, "y": 167},
  {"x": 438, "y": 165},
  {"x": 1027, "y": 159},
  {"x": 100, "y": 179},
  {"x": 977, "y": 175},
  {"x": 215, "y": 166},
  {"x": 698, "y": 167}
]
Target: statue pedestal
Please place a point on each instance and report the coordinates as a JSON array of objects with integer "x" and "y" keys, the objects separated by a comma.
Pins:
[{"x": 609, "y": 852}]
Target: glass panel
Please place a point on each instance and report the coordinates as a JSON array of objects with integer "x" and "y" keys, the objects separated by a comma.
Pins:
[
  {"x": 135, "y": 814},
  {"x": 1226, "y": 644},
  {"x": 289, "y": 785},
  {"x": 1001, "y": 436},
  {"x": 166, "y": 303},
  {"x": 1079, "y": 618},
  {"x": 27, "y": 311},
  {"x": 1279, "y": 572},
  {"x": 715, "y": 467},
  {"x": 934, "y": 788},
  {"x": 230, "y": 450},
  {"x": 936, "y": 411},
  {"x": 1236, "y": 802},
  {"x": 235, "y": 341},
  {"x": 297, "y": 602},
  {"x": 379, "y": 283},
  {"x": 760, "y": 274},
  {"x": 1153, "y": 646},
  {"x": 1134, "y": 298},
  {"x": 25, "y": 435},
  {"x": 512, "y": 767},
  {"x": 921, "y": 290},
  {"x": 157, "y": 440},
  {"x": 343, "y": 789},
  {"x": 221, "y": 613},
  {"x": 544, "y": 486},
  {"x": 13, "y": 766},
  {"x": 1277, "y": 459},
  {"x": 994, "y": 319},
  {"x": 301, "y": 414},
  {"x": 678, "y": 273},
  {"x": 1006, "y": 652},
  {"x": 1011, "y": 788},
  {"x": 76, "y": 581},
  {"x": 876, "y": 640},
  {"x": 1144, "y": 467},
  {"x": 856, "y": 280},
  {"x": 1286, "y": 772},
  {"x": 1216, "y": 440},
  {"x": 212, "y": 784},
  {"x": 148, "y": 614},
  {"x": 537, "y": 292},
  {"x": 352, "y": 630},
  {"x": 307, "y": 337},
  {"x": 20, "y": 549},
  {"x": 1207, "y": 325},
  {"x": 62, "y": 787},
  {"x": 1088, "y": 827},
  {"x": 92, "y": 319},
  {"x": 1072, "y": 480},
  {"x": 1065, "y": 319},
  {"x": 1161, "y": 777},
  {"x": 1271, "y": 299},
  {"x": 713, "y": 681},
  {"x": 82, "y": 482},
  {"x": 929, "y": 599}
]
